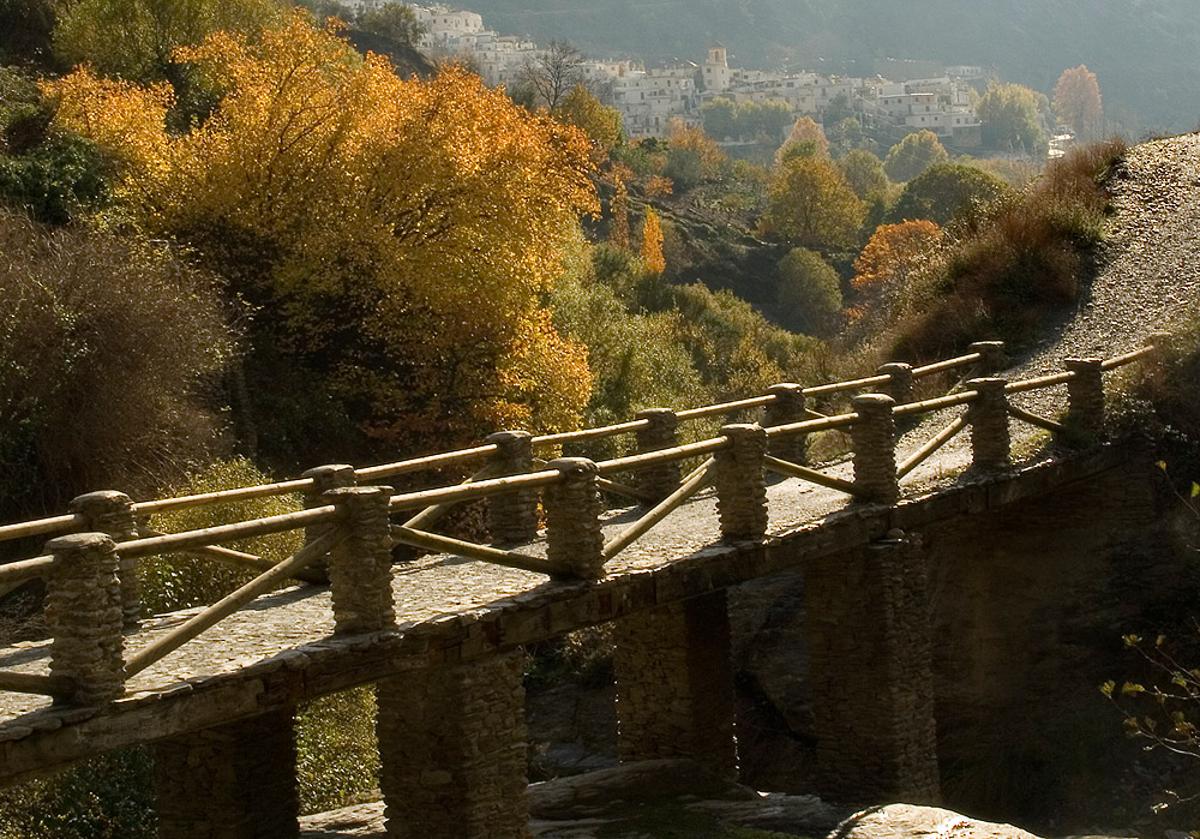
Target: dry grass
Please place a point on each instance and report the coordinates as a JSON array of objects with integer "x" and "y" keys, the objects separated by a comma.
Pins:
[{"x": 1004, "y": 271}]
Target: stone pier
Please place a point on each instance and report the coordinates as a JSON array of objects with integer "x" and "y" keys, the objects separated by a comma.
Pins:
[
  {"x": 235, "y": 781},
  {"x": 871, "y": 673},
  {"x": 453, "y": 750},
  {"x": 675, "y": 684}
]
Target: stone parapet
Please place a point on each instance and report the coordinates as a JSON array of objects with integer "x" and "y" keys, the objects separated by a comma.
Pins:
[
  {"x": 1085, "y": 398},
  {"x": 741, "y": 483},
  {"x": 991, "y": 445},
  {"x": 360, "y": 565},
  {"x": 84, "y": 617},
  {"x": 111, "y": 513},
  {"x": 324, "y": 478},
  {"x": 658, "y": 481},
  {"x": 675, "y": 684},
  {"x": 234, "y": 781},
  {"x": 993, "y": 360},
  {"x": 573, "y": 537},
  {"x": 873, "y": 437},
  {"x": 452, "y": 743},
  {"x": 789, "y": 406},
  {"x": 512, "y": 516}
]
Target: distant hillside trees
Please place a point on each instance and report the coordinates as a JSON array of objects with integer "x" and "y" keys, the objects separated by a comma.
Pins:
[
  {"x": 545, "y": 81},
  {"x": 599, "y": 122},
  {"x": 943, "y": 191},
  {"x": 913, "y": 155},
  {"x": 652, "y": 244},
  {"x": 393, "y": 20},
  {"x": 865, "y": 174},
  {"x": 811, "y": 204},
  {"x": 1010, "y": 117},
  {"x": 725, "y": 119},
  {"x": 1078, "y": 104},
  {"x": 807, "y": 139}
]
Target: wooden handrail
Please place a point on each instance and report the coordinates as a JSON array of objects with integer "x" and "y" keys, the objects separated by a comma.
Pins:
[
  {"x": 948, "y": 364},
  {"x": 470, "y": 492},
  {"x": 585, "y": 434},
  {"x": 795, "y": 470},
  {"x": 809, "y": 426},
  {"x": 725, "y": 408},
  {"x": 841, "y": 387},
  {"x": 938, "y": 404},
  {"x": 15, "y": 573},
  {"x": 1039, "y": 382},
  {"x": 690, "y": 486},
  {"x": 931, "y": 445},
  {"x": 483, "y": 553},
  {"x": 420, "y": 464},
  {"x": 57, "y": 686},
  {"x": 162, "y": 505},
  {"x": 229, "y": 604},
  {"x": 1127, "y": 358},
  {"x": 642, "y": 461},
  {"x": 40, "y": 527},
  {"x": 208, "y": 536},
  {"x": 1036, "y": 421}
]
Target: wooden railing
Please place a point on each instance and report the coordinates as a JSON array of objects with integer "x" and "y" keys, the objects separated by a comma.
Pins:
[{"x": 350, "y": 533}]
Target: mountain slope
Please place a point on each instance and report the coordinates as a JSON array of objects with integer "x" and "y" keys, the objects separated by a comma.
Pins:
[{"x": 1143, "y": 50}]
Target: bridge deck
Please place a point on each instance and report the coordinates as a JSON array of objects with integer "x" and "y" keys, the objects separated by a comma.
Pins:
[{"x": 280, "y": 649}]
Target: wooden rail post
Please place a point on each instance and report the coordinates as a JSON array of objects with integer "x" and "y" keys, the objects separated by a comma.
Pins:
[
  {"x": 900, "y": 381},
  {"x": 324, "y": 478},
  {"x": 512, "y": 516},
  {"x": 874, "y": 439},
  {"x": 659, "y": 481},
  {"x": 111, "y": 513},
  {"x": 83, "y": 614},
  {"x": 1085, "y": 398},
  {"x": 991, "y": 446},
  {"x": 789, "y": 406},
  {"x": 360, "y": 566},
  {"x": 573, "y": 536},
  {"x": 741, "y": 483},
  {"x": 993, "y": 358}
]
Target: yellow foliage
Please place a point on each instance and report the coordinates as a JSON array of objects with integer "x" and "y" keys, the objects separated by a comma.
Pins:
[
  {"x": 432, "y": 215},
  {"x": 652, "y": 243},
  {"x": 619, "y": 210}
]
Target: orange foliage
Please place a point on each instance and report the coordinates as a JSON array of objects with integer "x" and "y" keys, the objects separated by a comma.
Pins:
[
  {"x": 652, "y": 244},
  {"x": 1077, "y": 102},
  {"x": 659, "y": 186},
  {"x": 894, "y": 252},
  {"x": 404, "y": 231}
]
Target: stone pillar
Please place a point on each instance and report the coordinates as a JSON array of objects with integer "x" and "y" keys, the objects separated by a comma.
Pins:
[
  {"x": 1085, "y": 398},
  {"x": 512, "y": 516},
  {"x": 111, "y": 513},
  {"x": 874, "y": 441},
  {"x": 360, "y": 566},
  {"x": 789, "y": 406},
  {"x": 658, "y": 481},
  {"x": 453, "y": 749},
  {"x": 994, "y": 359},
  {"x": 900, "y": 387},
  {"x": 84, "y": 617},
  {"x": 675, "y": 684},
  {"x": 741, "y": 484},
  {"x": 991, "y": 446},
  {"x": 324, "y": 478},
  {"x": 234, "y": 781},
  {"x": 573, "y": 508},
  {"x": 867, "y": 625}
]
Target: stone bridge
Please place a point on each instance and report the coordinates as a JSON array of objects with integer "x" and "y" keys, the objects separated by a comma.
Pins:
[{"x": 214, "y": 689}]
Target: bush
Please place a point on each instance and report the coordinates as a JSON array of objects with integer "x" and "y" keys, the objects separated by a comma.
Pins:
[
  {"x": 56, "y": 180},
  {"x": 181, "y": 581},
  {"x": 337, "y": 757},
  {"x": 809, "y": 295},
  {"x": 945, "y": 190},
  {"x": 1006, "y": 270},
  {"x": 913, "y": 155},
  {"x": 106, "y": 349}
]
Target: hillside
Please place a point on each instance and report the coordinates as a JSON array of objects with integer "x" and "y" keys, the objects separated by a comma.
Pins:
[{"x": 1142, "y": 50}]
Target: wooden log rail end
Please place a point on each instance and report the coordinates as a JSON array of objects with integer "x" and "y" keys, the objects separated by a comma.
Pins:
[
  {"x": 1036, "y": 420},
  {"x": 55, "y": 686},
  {"x": 932, "y": 445},
  {"x": 692, "y": 484},
  {"x": 804, "y": 473},
  {"x": 469, "y": 550}
]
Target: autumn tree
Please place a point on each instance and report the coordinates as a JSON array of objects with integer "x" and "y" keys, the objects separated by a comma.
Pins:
[
  {"x": 600, "y": 123},
  {"x": 692, "y": 156},
  {"x": 865, "y": 174},
  {"x": 1009, "y": 113},
  {"x": 652, "y": 243},
  {"x": 811, "y": 204},
  {"x": 393, "y": 20},
  {"x": 807, "y": 139},
  {"x": 619, "y": 211},
  {"x": 720, "y": 117},
  {"x": 809, "y": 294},
  {"x": 555, "y": 72},
  {"x": 913, "y": 155},
  {"x": 136, "y": 39},
  {"x": 891, "y": 256},
  {"x": 395, "y": 236},
  {"x": 1077, "y": 102},
  {"x": 943, "y": 191}
]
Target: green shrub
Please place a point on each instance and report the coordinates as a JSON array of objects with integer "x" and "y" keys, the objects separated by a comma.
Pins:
[
  {"x": 809, "y": 295},
  {"x": 337, "y": 758},
  {"x": 181, "y": 581},
  {"x": 946, "y": 190}
]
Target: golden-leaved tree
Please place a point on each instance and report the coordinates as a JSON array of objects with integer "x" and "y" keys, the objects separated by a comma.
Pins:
[
  {"x": 652, "y": 243},
  {"x": 396, "y": 238}
]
